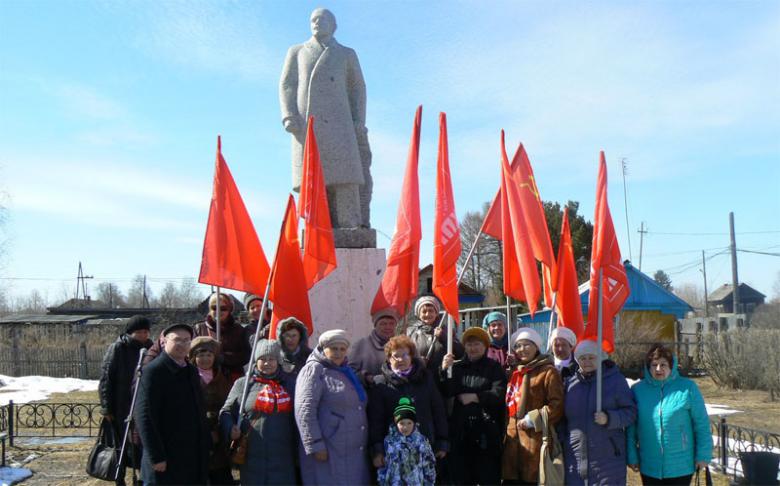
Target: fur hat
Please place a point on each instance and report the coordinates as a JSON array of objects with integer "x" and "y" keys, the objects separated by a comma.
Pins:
[
  {"x": 564, "y": 333},
  {"x": 493, "y": 317},
  {"x": 389, "y": 312},
  {"x": 332, "y": 337},
  {"x": 587, "y": 347},
  {"x": 203, "y": 343},
  {"x": 292, "y": 323},
  {"x": 249, "y": 298},
  {"x": 404, "y": 410},
  {"x": 224, "y": 297},
  {"x": 476, "y": 333},
  {"x": 137, "y": 323},
  {"x": 426, "y": 299},
  {"x": 528, "y": 334},
  {"x": 268, "y": 347}
]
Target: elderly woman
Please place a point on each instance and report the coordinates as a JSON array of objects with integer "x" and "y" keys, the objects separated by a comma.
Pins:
[
  {"x": 203, "y": 354},
  {"x": 294, "y": 339},
  {"x": 330, "y": 409},
  {"x": 477, "y": 386},
  {"x": 430, "y": 339},
  {"x": 671, "y": 437},
  {"x": 268, "y": 419},
  {"x": 403, "y": 374},
  {"x": 235, "y": 349},
  {"x": 594, "y": 440},
  {"x": 562, "y": 342},
  {"x": 535, "y": 384},
  {"x": 495, "y": 324},
  {"x": 367, "y": 355}
]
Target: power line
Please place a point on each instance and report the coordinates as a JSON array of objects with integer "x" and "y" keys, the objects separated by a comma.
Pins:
[
  {"x": 760, "y": 252},
  {"x": 726, "y": 233}
]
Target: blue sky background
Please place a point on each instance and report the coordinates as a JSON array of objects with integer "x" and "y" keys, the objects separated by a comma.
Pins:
[{"x": 109, "y": 113}]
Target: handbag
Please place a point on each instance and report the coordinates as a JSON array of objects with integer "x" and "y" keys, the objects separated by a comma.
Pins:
[
  {"x": 104, "y": 456},
  {"x": 707, "y": 477},
  {"x": 551, "y": 469}
]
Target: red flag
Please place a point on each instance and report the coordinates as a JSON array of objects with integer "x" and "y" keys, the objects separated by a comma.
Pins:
[
  {"x": 446, "y": 232},
  {"x": 491, "y": 225},
  {"x": 319, "y": 250},
  {"x": 605, "y": 256},
  {"x": 288, "y": 289},
  {"x": 521, "y": 277},
  {"x": 232, "y": 255},
  {"x": 568, "y": 301},
  {"x": 400, "y": 280}
]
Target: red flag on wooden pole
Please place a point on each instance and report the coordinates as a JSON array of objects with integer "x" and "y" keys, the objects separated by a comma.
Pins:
[
  {"x": 491, "y": 225},
  {"x": 319, "y": 249},
  {"x": 400, "y": 280},
  {"x": 568, "y": 300},
  {"x": 446, "y": 231},
  {"x": 605, "y": 256},
  {"x": 232, "y": 255},
  {"x": 288, "y": 290}
]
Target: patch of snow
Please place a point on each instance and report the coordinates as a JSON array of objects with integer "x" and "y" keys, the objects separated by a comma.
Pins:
[
  {"x": 715, "y": 409},
  {"x": 32, "y": 388},
  {"x": 13, "y": 475},
  {"x": 37, "y": 441}
]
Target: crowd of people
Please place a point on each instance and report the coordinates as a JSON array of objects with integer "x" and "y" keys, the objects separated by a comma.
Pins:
[{"x": 394, "y": 407}]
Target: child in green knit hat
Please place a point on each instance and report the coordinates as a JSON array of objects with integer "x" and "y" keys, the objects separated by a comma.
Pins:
[{"x": 409, "y": 458}]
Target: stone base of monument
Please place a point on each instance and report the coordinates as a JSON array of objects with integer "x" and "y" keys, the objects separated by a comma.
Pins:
[
  {"x": 354, "y": 237},
  {"x": 343, "y": 299}
]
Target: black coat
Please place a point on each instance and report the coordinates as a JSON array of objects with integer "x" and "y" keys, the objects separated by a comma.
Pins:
[
  {"x": 421, "y": 388},
  {"x": 171, "y": 419},
  {"x": 481, "y": 424},
  {"x": 116, "y": 379}
]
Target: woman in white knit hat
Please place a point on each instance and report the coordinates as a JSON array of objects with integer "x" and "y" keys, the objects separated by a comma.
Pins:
[
  {"x": 535, "y": 384},
  {"x": 431, "y": 339},
  {"x": 562, "y": 343}
]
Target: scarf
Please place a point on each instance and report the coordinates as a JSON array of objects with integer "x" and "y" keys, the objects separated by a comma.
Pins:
[
  {"x": 377, "y": 340},
  {"x": 206, "y": 375},
  {"x": 518, "y": 387},
  {"x": 272, "y": 397},
  {"x": 352, "y": 377},
  {"x": 562, "y": 363},
  {"x": 403, "y": 373}
]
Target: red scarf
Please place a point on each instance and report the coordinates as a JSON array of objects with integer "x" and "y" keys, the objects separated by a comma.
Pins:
[
  {"x": 272, "y": 397},
  {"x": 514, "y": 391}
]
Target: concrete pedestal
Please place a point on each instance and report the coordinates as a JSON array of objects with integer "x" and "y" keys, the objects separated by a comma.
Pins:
[{"x": 343, "y": 299}]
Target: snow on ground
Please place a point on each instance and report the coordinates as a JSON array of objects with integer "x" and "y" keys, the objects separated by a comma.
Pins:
[
  {"x": 31, "y": 388},
  {"x": 715, "y": 409},
  {"x": 12, "y": 475}
]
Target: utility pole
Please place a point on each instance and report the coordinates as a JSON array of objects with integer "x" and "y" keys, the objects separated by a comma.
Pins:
[
  {"x": 81, "y": 283},
  {"x": 704, "y": 271},
  {"x": 734, "y": 276},
  {"x": 641, "y": 232},
  {"x": 145, "y": 302},
  {"x": 624, "y": 165}
]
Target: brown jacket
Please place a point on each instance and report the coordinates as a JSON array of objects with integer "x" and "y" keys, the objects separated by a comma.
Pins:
[
  {"x": 214, "y": 395},
  {"x": 522, "y": 447}
]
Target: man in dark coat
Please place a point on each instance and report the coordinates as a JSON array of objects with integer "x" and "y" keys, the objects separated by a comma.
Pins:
[
  {"x": 171, "y": 415},
  {"x": 116, "y": 379}
]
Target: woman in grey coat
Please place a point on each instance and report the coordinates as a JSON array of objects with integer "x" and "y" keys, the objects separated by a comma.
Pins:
[
  {"x": 268, "y": 419},
  {"x": 330, "y": 409}
]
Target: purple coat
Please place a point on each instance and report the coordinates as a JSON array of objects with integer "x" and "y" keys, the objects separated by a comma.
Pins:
[
  {"x": 591, "y": 451},
  {"x": 330, "y": 418}
]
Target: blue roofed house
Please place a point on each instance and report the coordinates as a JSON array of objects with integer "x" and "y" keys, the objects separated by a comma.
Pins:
[{"x": 648, "y": 303}]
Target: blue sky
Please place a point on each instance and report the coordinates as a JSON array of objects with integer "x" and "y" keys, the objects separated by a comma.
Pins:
[{"x": 109, "y": 113}]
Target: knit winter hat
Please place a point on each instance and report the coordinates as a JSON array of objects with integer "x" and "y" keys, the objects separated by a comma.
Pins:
[
  {"x": 224, "y": 297},
  {"x": 389, "y": 312},
  {"x": 426, "y": 299},
  {"x": 268, "y": 348},
  {"x": 476, "y": 333},
  {"x": 564, "y": 333},
  {"x": 492, "y": 317},
  {"x": 203, "y": 343},
  {"x": 404, "y": 410},
  {"x": 137, "y": 323},
  {"x": 249, "y": 298},
  {"x": 528, "y": 334},
  {"x": 179, "y": 325},
  {"x": 332, "y": 337},
  {"x": 586, "y": 347}
]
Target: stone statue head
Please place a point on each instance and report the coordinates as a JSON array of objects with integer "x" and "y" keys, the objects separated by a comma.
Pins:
[{"x": 323, "y": 24}]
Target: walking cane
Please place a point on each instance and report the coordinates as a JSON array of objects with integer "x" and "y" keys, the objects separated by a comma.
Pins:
[{"x": 129, "y": 421}]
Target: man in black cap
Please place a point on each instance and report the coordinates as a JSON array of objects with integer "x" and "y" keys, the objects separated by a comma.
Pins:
[
  {"x": 171, "y": 416},
  {"x": 116, "y": 379}
]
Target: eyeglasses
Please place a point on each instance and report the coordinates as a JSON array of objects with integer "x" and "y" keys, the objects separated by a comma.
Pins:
[{"x": 399, "y": 357}]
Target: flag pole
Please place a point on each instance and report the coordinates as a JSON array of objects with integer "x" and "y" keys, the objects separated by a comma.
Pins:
[
  {"x": 468, "y": 257},
  {"x": 449, "y": 342},
  {"x": 600, "y": 316},
  {"x": 219, "y": 299},
  {"x": 552, "y": 319},
  {"x": 508, "y": 326}
]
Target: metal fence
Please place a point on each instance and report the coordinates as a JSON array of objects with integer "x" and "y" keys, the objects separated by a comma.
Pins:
[
  {"x": 732, "y": 440},
  {"x": 80, "y": 362},
  {"x": 50, "y": 420}
]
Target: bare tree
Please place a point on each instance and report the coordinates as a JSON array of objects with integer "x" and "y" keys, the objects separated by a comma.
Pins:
[
  {"x": 109, "y": 294},
  {"x": 484, "y": 270},
  {"x": 34, "y": 303},
  {"x": 766, "y": 316},
  {"x": 692, "y": 294},
  {"x": 189, "y": 294},
  {"x": 139, "y": 294}
]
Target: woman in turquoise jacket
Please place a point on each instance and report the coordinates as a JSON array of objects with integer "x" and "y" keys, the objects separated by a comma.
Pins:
[{"x": 671, "y": 437}]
